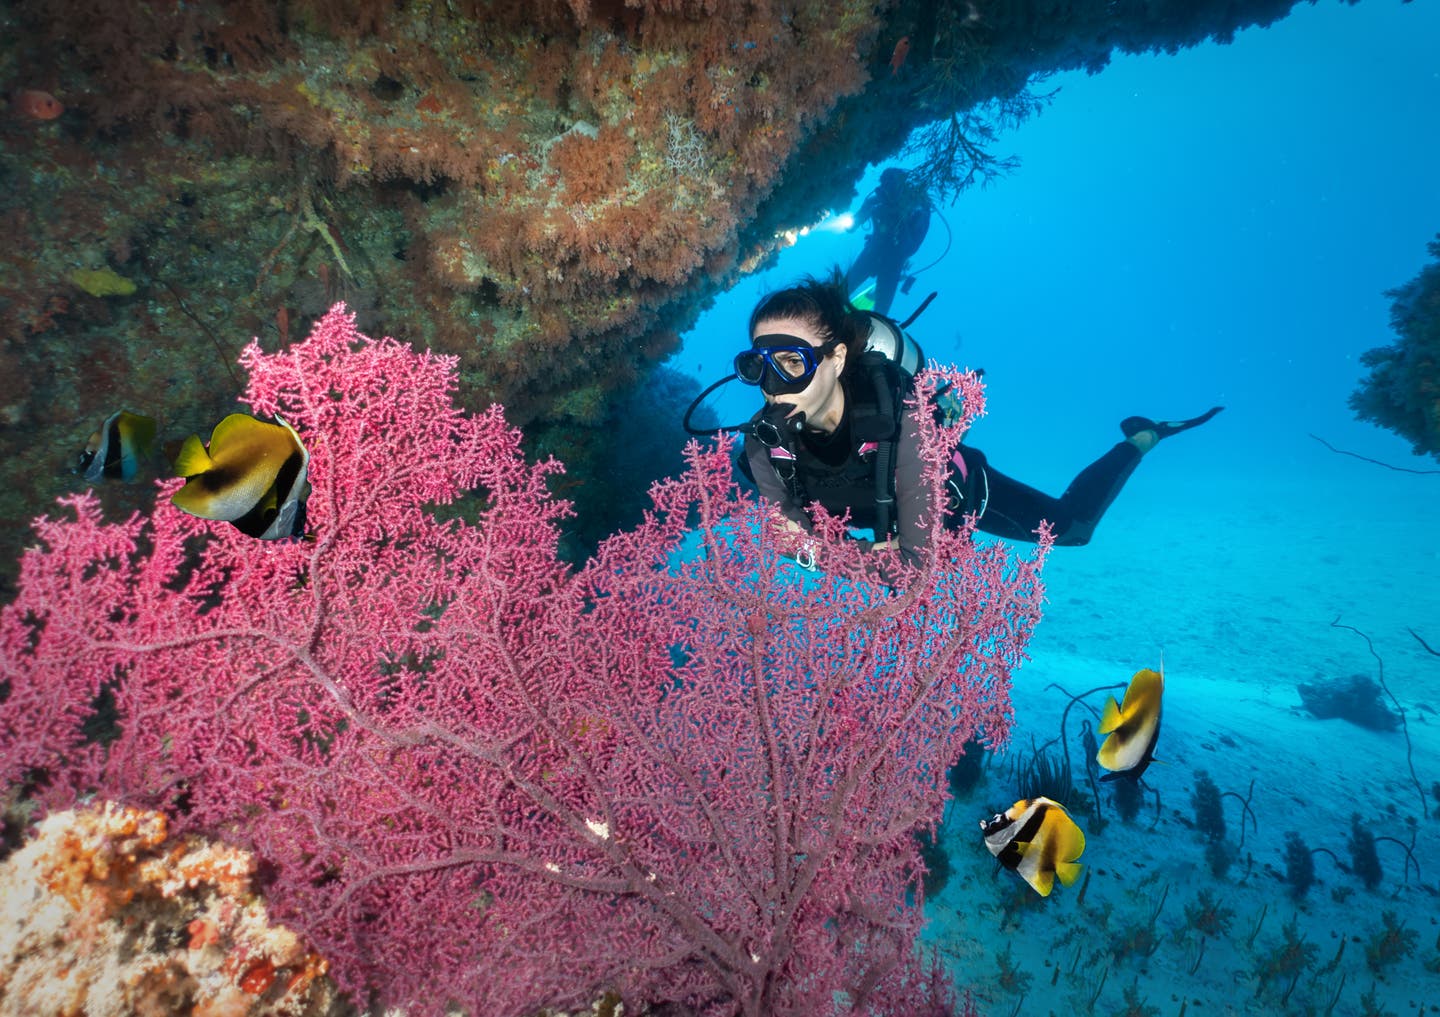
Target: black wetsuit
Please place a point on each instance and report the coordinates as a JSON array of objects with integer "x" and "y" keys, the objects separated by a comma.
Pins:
[
  {"x": 1013, "y": 510},
  {"x": 900, "y": 217},
  {"x": 833, "y": 470}
]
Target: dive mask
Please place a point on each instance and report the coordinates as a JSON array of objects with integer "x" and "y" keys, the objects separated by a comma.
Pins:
[{"x": 781, "y": 364}]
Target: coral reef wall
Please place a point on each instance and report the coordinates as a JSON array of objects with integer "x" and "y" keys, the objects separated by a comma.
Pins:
[
  {"x": 548, "y": 189},
  {"x": 1402, "y": 391}
]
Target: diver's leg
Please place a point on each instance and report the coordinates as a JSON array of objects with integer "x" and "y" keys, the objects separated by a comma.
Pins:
[
  {"x": 1011, "y": 509},
  {"x": 862, "y": 268},
  {"x": 1091, "y": 492},
  {"x": 1015, "y": 510},
  {"x": 887, "y": 280}
]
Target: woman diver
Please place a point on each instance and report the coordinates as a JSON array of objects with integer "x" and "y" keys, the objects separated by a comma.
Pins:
[{"x": 833, "y": 431}]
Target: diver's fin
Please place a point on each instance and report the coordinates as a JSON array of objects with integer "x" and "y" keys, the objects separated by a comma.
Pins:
[{"x": 1132, "y": 426}]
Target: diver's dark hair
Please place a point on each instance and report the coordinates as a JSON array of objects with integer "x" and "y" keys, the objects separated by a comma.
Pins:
[{"x": 824, "y": 304}]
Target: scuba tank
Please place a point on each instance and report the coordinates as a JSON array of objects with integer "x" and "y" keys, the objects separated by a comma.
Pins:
[{"x": 890, "y": 339}]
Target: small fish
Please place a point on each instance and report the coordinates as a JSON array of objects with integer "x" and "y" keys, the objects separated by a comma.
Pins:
[
  {"x": 253, "y": 475},
  {"x": 1036, "y": 838},
  {"x": 118, "y": 448},
  {"x": 898, "y": 55},
  {"x": 1133, "y": 726},
  {"x": 34, "y": 104}
]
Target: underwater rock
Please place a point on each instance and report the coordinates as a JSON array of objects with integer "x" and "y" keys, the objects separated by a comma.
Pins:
[{"x": 1356, "y": 699}]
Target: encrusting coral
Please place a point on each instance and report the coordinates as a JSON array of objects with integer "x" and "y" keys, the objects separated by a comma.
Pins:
[
  {"x": 106, "y": 914},
  {"x": 527, "y": 174}
]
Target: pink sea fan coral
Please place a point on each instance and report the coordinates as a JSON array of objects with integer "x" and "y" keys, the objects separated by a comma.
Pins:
[{"x": 477, "y": 776}]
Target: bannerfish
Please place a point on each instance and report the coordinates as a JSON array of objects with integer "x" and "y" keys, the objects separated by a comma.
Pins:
[
  {"x": 118, "y": 448},
  {"x": 1133, "y": 727},
  {"x": 1036, "y": 838},
  {"x": 253, "y": 475}
]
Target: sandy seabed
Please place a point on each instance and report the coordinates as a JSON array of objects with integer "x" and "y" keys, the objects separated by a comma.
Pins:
[{"x": 1237, "y": 581}]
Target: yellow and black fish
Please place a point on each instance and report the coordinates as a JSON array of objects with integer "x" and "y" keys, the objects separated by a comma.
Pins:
[
  {"x": 118, "y": 448},
  {"x": 1133, "y": 726},
  {"x": 253, "y": 476},
  {"x": 1036, "y": 838}
]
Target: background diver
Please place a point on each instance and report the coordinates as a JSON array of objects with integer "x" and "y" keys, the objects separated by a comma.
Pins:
[{"x": 898, "y": 212}]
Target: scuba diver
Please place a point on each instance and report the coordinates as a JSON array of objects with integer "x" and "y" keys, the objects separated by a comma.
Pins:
[
  {"x": 898, "y": 212},
  {"x": 833, "y": 430}
]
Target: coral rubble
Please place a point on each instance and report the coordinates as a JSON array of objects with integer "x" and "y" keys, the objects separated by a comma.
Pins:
[{"x": 105, "y": 914}]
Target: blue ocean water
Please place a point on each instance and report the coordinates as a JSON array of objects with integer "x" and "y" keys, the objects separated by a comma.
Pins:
[{"x": 1213, "y": 227}]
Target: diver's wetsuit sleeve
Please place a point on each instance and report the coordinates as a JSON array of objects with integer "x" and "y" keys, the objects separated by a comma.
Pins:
[
  {"x": 912, "y": 499},
  {"x": 771, "y": 487},
  {"x": 867, "y": 211}
]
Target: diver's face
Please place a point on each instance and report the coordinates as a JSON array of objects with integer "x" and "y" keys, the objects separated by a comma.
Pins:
[{"x": 823, "y": 399}]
